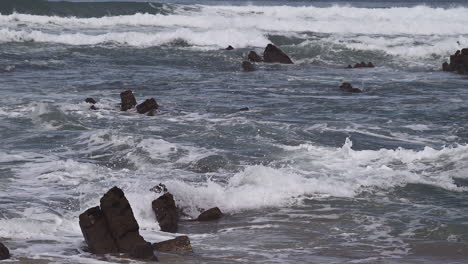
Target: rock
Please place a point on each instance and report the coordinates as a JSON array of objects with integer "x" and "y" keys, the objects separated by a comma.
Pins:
[
  {"x": 90, "y": 100},
  {"x": 273, "y": 54},
  {"x": 361, "y": 65},
  {"x": 160, "y": 188},
  {"x": 180, "y": 244},
  {"x": 347, "y": 87},
  {"x": 349, "y": 67},
  {"x": 93, "y": 107},
  {"x": 254, "y": 57},
  {"x": 96, "y": 232},
  {"x": 247, "y": 66},
  {"x": 147, "y": 106},
  {"x": 244, "y": 109},
  {"x": 5, "y": 253},
  {"x": 120, "y": 220},
  {"x": 370, "y": 65},
  {"x": 143, "y": 251},
  {"x": 458, "y": 62},
  {"x": 166, "y": 213},
  {"x": 230, "y": 47},
  {"x": 210, "y": 215},
  {"x": 128, "y": 100}
]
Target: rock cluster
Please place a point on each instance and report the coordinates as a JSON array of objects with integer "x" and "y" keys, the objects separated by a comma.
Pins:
[
  {"x": 458, "y": 62},
  {"x": 112, "y": 228},
  {"x": 361, "y": 65},
  {"x": 347, "y": 87},
  {"x": 271, "y": 54},
  {"x": 4, "y": 252}
]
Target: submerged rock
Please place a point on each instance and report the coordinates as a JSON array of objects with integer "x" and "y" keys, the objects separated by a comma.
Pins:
[
  {"x": 254, "y": 57},
  {"x": 149, "y": 105},
  {"x": 458, "y": 62},
  {"x": 128, "y": 100},
  {"x": 160, "y": 188},
  {"x": 166, "y": 213},
  {"x": 273, "y": 54},
  {"x": 362, "y": 65},
  {"x": 244, "y": 109},
  {"x": 229, "y": 47},
  {"x": 210, "y": 215},
  {"x": 180, "y": 244},
  {"x": 5, "y": 253},
  {"x": 90, "y": 100},
  {"x": 247, "y": 66},
  {"x": 347, "y": 87},
  {"x": 210, "y": 163},
  {"x": 112, "y": 227}
]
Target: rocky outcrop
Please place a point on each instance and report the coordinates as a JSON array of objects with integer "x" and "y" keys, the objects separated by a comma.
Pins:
[
  {"x": 273, "y": 54},
  {"x": 148, "y": 106},
  {"x": 180, "y": 244},
  {"x": 210, "y": 215},
  {"x": 347, "y": 87},
  {"x": 243, "y": 109},
  {"x": 229, "y": 48},
  {"x": 112, "y": 227},
  {"x": 254, "y": 57},
  {"x": 362, "y": 65},
  {"x": 166, "y": 213},
  {"x": 128, "y": 100},
  {"x": 5, "y": 253},
  {"x": 458, "y": 62}
]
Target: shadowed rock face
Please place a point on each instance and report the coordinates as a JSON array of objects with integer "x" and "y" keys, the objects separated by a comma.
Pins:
[
  {"x": 5, "y": 253},
  {"x": 180, "y": 244},
  {"x": 273, "y": 54},
  {"x": 458, "y": 62},
  {"x": 112, "y": 227},
  {"x": 166, "y": 213},
  {"x": 254, "y": 57},
  {"x": 96, "y": 233},
  {"x": 210, "y": 215},
  {"x": 149, "y": 105},
  {"x": 128, "y": 100}
]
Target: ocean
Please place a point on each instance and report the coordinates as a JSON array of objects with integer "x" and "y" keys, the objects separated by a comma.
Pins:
[{"x": 309, "y": 174}]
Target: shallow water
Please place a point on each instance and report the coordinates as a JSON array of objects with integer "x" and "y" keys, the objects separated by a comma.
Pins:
[{"x": 308, "y": 174}]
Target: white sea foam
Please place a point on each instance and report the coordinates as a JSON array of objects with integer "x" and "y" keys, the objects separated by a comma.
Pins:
[{"x": 406, "y": 31}]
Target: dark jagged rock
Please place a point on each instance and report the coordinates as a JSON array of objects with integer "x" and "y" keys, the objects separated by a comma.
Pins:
[
  {"x": 93, "y": 107},
  {"x": 244, "y": 109},
  {"x": 128, "y": 100},
  {"x": 180, "y": 244},
  {"x": 230, "y": 47},
  {"x": 96, "y": 232},
  {"x": 210, "y": 215},
  {"x": 273, "y": 54},
  {"x": 247, "y": 66},
  {"x": 347, "y": 87},
  {"x": 254, "y": 57},
  {"x": 166, "y": 213},
  {"x": 5, "y": 253},
  {"x": 458, "y": 62},
  {"x": 147, "y": 106},
  {"x": 160, "y": 188},
  {"x": 121, "y": 221},
  {"x": 90, "y": 100},
  {"x": 112, "y": 227}
]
